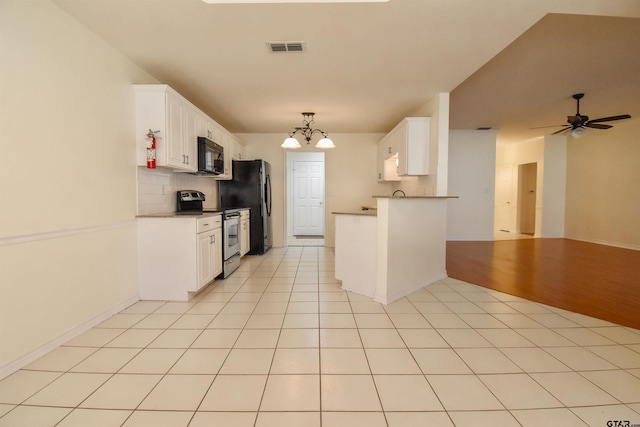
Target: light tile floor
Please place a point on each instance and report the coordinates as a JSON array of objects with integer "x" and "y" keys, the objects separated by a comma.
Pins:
[{"x": 280, "y": 344}]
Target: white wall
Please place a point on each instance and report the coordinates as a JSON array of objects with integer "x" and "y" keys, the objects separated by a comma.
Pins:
[
  {"x": 603, "y": 193},
  {"x": 67, "y": 179},
  {"x": 350, "y": 176},
  {"x": 472, "y": 168},
  {"x": 555, "y": 186}
]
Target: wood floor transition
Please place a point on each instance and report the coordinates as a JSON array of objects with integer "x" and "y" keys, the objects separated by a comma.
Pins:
[{"x": 596, "y": 280}]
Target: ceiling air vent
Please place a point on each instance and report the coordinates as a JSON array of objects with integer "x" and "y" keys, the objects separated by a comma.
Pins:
[{"x": 286, "y": 46}]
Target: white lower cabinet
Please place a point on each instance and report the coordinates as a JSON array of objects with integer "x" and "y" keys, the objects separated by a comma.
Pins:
[
  {"x": 209, "y": 257},
  {"x": 245, "y": 232},
  {"x": 178, "y": 255}
]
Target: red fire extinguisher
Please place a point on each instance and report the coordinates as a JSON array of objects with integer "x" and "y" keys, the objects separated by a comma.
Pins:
[{"x": 151, "y": 149}]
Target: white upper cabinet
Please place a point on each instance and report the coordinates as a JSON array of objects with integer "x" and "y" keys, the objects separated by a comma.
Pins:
[
  {"x": 405, "y": 150},
  {"x": 160, "y": 108},
  {"x": 180, "y": 123},
  {"x": 233, "y": 150}
]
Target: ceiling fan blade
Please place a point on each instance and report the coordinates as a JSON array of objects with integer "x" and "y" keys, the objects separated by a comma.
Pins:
[
  {"x": 610, "y": 119},
  {"x": 561, "y": 130},
  {"x": 543, "y": 127},
  {"x": 597, "y": 125}
]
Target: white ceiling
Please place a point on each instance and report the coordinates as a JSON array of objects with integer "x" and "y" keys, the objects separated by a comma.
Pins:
[{"x": 508, "y": 64}]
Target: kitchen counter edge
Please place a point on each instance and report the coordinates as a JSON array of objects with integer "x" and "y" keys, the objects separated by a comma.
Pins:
[
  {"x": 415, "y": 197},
  {"x": 371, "y": 212},
  {"x": 179, "y": 215}
]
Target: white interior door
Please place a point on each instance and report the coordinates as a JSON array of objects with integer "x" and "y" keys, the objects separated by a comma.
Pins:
[
  {"x": 504, "y": 199},
  {"x": 308, "y": 198}
]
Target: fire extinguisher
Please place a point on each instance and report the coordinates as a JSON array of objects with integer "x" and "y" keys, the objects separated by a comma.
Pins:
[{"x": 151, "y": 149}]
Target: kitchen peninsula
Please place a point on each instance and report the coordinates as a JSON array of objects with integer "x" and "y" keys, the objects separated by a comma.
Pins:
[{"x": 391, "y": 251}]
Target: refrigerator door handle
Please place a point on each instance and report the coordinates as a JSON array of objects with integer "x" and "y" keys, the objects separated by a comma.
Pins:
[{"x": 268, "y": 195}]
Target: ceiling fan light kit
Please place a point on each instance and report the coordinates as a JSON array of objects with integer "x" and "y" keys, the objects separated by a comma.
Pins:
[{"x": 578, "y": 132}]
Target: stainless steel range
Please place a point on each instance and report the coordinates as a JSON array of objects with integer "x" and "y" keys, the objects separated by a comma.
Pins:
[
  {"x": 230, "y": 241},
  {"x": 190, "y": 202}
]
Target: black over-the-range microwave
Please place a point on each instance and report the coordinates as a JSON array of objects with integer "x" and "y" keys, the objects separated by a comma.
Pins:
[{"x": 210, "y": 157}]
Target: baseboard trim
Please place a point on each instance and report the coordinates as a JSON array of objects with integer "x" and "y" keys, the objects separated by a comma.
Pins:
[
  {"x": 606, "y": 243},
  {"x": 19, "y": 363}
]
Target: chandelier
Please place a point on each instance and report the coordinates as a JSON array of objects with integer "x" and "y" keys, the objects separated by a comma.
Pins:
[{"x": 307, "y": 132}]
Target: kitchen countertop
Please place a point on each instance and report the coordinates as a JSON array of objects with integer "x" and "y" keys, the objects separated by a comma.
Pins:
[
  {"x": 370, "y": 212},
  {"x": 179, "y": 215},
  {"x": 415, "y": 197},
  {"x": 373, "y": 210}
]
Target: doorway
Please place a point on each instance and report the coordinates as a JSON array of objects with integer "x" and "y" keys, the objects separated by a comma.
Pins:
[
  {"x": 503, "y": 211},
  {"x": 305, "y": 199},
  {"x": 527, "y": 190}
]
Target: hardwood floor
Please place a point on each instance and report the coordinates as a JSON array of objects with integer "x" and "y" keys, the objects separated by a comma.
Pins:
[{"x": 596, "y": 280}]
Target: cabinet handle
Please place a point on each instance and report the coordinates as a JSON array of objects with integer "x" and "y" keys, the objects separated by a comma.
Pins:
[
  {"x": 187, "y": 157},
  {"x": 389, "y": 150},
  {"x": 205, "y": 225}
]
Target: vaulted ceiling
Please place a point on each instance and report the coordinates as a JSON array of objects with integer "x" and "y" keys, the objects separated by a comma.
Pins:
[{"x": 509, "y": 65}]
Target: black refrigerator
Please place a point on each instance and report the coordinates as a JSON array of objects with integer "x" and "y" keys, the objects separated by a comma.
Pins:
[{"x": 251, "y": 188}]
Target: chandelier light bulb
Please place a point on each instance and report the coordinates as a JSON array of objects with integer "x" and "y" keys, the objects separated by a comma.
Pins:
[
  {"x": 325, "y": 143},
  {"x": 291, "y": 142}
]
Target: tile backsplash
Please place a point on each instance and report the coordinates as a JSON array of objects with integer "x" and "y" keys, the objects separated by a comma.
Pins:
[{"x": 157, "y": 190}]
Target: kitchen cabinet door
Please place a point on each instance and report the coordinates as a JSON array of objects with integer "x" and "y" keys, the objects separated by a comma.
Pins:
[
  {"x": 216, "y": 263},
  {"x": 182, "y": 128},
  {"x": 245, "y": 242},
  {"x": 226, "y": 140},
  {"x": 239, "y": 150},
  {"x": 387, "y": 161},
  {"x": 206, "y": 127},
  {"x": 190, "y": 140},
  {"x": 206, "y": 259},
  {"x": 175, "y": 131},
  {"x": 412, "y": 141}
]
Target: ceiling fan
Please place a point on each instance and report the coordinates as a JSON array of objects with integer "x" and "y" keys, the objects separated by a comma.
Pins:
[{"x": 579, "y": 122}]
